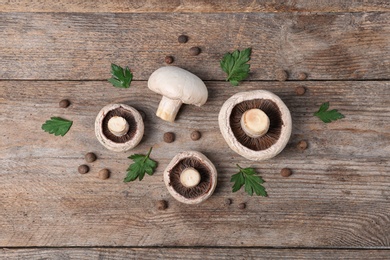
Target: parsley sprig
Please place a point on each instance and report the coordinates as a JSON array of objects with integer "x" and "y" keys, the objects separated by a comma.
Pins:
[
  {"x": 57, "y": 126},
  {"x": 326, "y": 115},
  {"x": 252, "y": 182},
  {"x": 235, "y": 65},
  {"x": 121, "y": 78},
  {"x": 142, "y": 164}
]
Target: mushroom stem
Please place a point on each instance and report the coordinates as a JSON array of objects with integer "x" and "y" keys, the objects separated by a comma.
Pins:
[
  {"x": 190, "y": 177},
  {"x": 168, "y": 108},
  {"x": 118, "y": 126},
  {"x": 255, "y": 122}
]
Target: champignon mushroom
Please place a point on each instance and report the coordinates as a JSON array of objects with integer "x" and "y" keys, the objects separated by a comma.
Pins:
[
  {"x": 255, "y": 124},
  {"x": 177, "y": 86},
  {"x": 119, "y": 127},
  {"x": 190, "y": 177}
]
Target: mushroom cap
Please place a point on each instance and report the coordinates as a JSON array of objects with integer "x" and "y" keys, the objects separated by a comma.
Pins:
[
  {"x": 204, "y": 160},
  {"x": 178, "y": 84},
  {"x": 114, "y": 146},
  {"x": 230, "y": 138}
]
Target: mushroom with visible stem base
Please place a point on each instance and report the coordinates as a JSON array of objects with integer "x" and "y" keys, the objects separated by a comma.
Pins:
[
  {"x": 177, "y": 86},
  {"x": 119, "y": 127},
  {"x": 255, "y": 124},
  {"x": 190, "y": 177}
]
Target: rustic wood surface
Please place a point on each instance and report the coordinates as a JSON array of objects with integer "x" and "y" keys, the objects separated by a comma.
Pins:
[{"x": 335, "y": 205}]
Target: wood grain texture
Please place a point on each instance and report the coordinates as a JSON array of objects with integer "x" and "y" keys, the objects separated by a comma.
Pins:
[
  {"x": 337, "y": 197},
  {"x": 75, "y": 46},
  {"x": 189, "y": 253},
  {"x": 191, "y": 6}
]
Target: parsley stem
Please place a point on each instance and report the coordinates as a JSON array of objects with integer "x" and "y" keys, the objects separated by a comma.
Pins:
[
  {"x": 239, "y": 167},
  {"x": 147, "y": 156}
]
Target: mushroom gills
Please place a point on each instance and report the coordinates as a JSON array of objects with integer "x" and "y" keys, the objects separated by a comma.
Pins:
[
  {"x": 118, "y": 125},
  {"x": 244, "y": 136},
  {"x": 201, "y": 188}
]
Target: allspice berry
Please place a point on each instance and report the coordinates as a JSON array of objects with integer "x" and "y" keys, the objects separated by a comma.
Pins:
[
  {"x": 169, "y": 59},
  {"x": 64, "y": 103},
  {"x": 83, "y": 169},
  {"x": 302, "y": 145},
  {"x": 242, "y": 205},
  {"x": 104, "y": 174},
  {"x": 281, "y": 75},
  {"x": 194, "y": 51},
  {"x": 300, "y": 91},
  {"x": 162, "y": 204},
  {"x": 195, "y": 135},
  {"x": 90, "y": 157},
  {"x": 302, "y": 76},
  {"x": 285, "y": 172},
  {"x": 169, "y": 137},
  {"x": 228, "y": 201},
  {"x": 182, "y": 38}
]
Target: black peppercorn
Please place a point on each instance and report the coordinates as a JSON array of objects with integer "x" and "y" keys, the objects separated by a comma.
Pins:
[
  {"x": 90, "y": 157},
  {"x": 169, "y": 137},
  {"x": 281, "y": 75},
  {"x": 182, "y": 39},
  {"x": 195, "y": 135},
  {"x": 302, "y": 145},
  {"x": 104, "y": 174},
  {"x": 242, "y": 206},
  {"x": 285, "y": 172},
  {"x": 83, "y": 169},
  {"x": 302, "y": 76},
  {"x": 194, "y": 51},
  {"x": 300, "y": 91},
  {"x": 168, "y": 59},
  {"x": 64, "y": 103},
  {"x": 162, "y": 204}
]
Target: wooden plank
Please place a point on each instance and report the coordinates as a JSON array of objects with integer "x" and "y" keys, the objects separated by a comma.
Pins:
[
  {"x": 192, "y": 6},
  {"x": 189, "y": 253},
  {"x": 74, "y": 46},
  {"x": 337, "y": 197}
]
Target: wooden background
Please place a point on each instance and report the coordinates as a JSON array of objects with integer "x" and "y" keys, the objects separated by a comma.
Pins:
[{"x": 335, "y": 205}]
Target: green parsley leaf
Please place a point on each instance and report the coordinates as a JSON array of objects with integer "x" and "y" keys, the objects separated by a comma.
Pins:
[
  {"x": 247, "y": 177},
  {"x": 57, "y": 126},
  {"x": 142, "y": 164},
  {"x": 235, "y": 65},
  {"x": 326, "y": 115},
  {"x": 121, "y": 78}
]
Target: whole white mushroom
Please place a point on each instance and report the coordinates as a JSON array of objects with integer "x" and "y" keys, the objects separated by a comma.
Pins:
[{"x": 177, "y": 86}]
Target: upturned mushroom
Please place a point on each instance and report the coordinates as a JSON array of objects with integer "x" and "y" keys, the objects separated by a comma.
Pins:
[
  {"x": 255, "y": 124},
  {"x": 190, "y": 177},
  {"x": 119, "y": 127},
  {"x": 177, "y": 86}
]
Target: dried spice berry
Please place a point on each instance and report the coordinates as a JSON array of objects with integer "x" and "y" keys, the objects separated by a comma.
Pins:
[
  {"x": 104, "y": 174},
  {"x": 83, "y": 169},
  {"x": 169, "y": 59},
  {"x": 242, "y": 206},
  {"x": 90, "y": 157},
  {"x": 281, "y": 75},
  {"x": 285, "y": 172},
  {"x": 300, "y": 91},
  {"x": 182, "y": 38},
  {"x": 194, "y": 51},
  {"x": 169, "y": 137},
  {"x": 195, "y": 135},
  {"x": 302, "y": 145},
  {"x": 64, "y": 103},
  {"x": 302, "y": 76},
  {"x": 228, "y": 201},
  {"x": 162, "y": 204}
]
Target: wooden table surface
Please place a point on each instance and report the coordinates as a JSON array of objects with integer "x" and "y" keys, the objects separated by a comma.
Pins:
[{"x": 336, "y": 204}]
